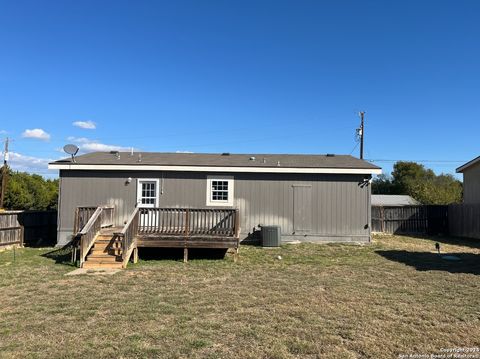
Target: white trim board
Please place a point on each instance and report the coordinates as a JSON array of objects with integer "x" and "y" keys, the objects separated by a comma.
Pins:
[{"x": 364, "y": 171}]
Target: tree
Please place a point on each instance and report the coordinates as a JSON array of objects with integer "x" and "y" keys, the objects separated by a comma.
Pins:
[
  {"x": 30, "y": 192},
  {"x": 413, "y": 179},
  {"x": 382, "y": 184}
]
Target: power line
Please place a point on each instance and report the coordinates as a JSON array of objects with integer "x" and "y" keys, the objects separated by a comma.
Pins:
[
  {"x": 421, "y": 161},
  {"x": 354, "y": 148}
]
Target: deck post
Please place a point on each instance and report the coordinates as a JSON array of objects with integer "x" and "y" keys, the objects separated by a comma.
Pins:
[
  {"x": 185, "y": 255},
  {"x": 135, "y": 255}
]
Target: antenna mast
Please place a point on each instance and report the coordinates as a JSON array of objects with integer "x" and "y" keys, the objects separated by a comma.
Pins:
[{"x": 3, "y": 188}]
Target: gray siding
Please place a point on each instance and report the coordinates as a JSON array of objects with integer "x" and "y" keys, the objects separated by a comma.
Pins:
[
  {"x": 335, "y": 207},
  {"x": 471, "y": 184}
]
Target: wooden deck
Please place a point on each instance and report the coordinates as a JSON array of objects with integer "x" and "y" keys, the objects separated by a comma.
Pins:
[
  {"x": 154, "y": 227},
  {"x": 188, "y": 228}
]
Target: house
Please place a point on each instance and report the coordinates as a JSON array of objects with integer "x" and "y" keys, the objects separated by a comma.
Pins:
[
  {"x": 212, "y": 200},
  {"x": 393, "y": 200},
  {"x": 471, "y": 181}
]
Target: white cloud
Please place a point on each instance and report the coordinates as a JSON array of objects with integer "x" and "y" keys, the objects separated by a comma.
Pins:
[
  {"x": 37, "y": 133},
  {"x": 3, "y": 132},
  {"x": 87, "y": 125},
  {"x": 23, "y": 163},
  {"x": 180, "y": 151},
  {"x": 88, "y": 145}
]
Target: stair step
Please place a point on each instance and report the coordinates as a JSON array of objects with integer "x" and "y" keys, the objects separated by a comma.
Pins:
[
  {"x": 88, "y": 264},
  {"x": 107, "y": 240},
  {"x": 102, "y": 245},
  {"x": 102, "y": 256},
  {"x": 110, "y": 251}
]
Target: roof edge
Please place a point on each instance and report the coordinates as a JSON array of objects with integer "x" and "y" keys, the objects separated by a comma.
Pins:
[
  {"x": 467, "y": 165},
  {"x": 143, "y": 167}
]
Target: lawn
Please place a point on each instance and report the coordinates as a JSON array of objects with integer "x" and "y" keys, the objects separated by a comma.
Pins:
[{"x": 395, "y": 296}]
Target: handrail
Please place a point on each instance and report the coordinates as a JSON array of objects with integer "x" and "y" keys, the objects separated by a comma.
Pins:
[
  {"x": 128, "y": 235},
  {"x": 91, "y": 221},
  {"x": 102, "y": 217},
  {"x": 88, "y": 233},
  {"x": 190, "y": 222}
]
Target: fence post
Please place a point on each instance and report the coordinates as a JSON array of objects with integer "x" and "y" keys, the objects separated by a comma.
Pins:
[{"x": 382, "y": 216}]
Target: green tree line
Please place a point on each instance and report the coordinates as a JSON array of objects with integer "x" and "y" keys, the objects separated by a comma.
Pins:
[
  {"x": 27, "y": 191},
  {"x": 413, "y": 179}
]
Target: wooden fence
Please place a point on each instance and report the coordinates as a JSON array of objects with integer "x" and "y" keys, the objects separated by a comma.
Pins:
[
  {"x": 464, "y": 220},
  {"x": 28, "y": 227},
  {"x": 410, "y": 219}
]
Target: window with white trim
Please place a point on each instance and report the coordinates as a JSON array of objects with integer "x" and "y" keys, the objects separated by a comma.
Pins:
[
  {"x": 147, "y": 192},
  {"x": 219, "y": 191}
]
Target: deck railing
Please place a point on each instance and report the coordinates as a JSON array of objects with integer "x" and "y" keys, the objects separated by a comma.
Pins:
[
  {"x": 128, "y": 234},
  {"x": 100, "y": 218},
  {"x": 82, "y": 215},
  {"x": 189, "y": 222}
]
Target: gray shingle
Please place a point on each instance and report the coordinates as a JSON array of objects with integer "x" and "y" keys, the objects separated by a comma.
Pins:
[{"x": 222, "y": 160}]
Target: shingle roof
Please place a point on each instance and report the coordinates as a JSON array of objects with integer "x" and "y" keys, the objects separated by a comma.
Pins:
[
  {"x": 393, "y": 200},
  {"x": 220, "y": 160}
]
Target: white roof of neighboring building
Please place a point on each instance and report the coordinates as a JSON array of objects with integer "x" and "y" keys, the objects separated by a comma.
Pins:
[{"x": 393, "y": 200}]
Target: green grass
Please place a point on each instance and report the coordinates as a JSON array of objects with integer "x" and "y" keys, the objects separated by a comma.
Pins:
[{"x": 393, "y": 297}]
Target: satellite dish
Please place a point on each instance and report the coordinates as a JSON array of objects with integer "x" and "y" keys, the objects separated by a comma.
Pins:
[{"x": 71, "y": 150}]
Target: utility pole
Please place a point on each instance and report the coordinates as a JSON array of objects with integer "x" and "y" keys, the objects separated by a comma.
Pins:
[
  {"x": 3, "y": 188},
  {"x": 361, "y": 132}
]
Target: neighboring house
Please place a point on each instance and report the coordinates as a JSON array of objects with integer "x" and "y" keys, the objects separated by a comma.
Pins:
[
  {"x": 471, "y": 181},
  {"x": 393, "y": 200},
  {"x": 312, "y": 197}
]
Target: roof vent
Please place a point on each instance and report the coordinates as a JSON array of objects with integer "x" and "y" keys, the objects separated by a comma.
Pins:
[
  {"x": 116, "y": 154},
  {"x": 278, "y": 163},
  {"x": 252, "y": 158},
  {"x": 330, "y": 155},
  {"x": 226, "y": 154},
  {"x": 264, "y": 160},
  {"x": 139, "y": 157}
]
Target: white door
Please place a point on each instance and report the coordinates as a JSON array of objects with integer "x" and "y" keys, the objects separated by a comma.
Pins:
[{"x": 147, "y": 197}]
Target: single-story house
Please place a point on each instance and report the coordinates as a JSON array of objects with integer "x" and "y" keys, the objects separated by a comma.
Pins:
[
  {"x": 311, "y": 197},
  {"x": 393, "y": 200},
  {"x": 471, "y": 181}
]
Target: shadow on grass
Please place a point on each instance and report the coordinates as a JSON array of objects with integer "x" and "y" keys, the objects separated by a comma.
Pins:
[
  {"x": 177, "y": 253},
  {"x": 61, "y": 255},
  {"x": 456, "y": 241},
  {"x": 425, "y": 261}
]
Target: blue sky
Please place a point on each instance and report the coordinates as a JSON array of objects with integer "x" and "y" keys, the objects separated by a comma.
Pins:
[{"x": 241, "y": 77}]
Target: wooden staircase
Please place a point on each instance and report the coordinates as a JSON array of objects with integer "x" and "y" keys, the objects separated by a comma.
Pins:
[{"x": 106, "y": 251}]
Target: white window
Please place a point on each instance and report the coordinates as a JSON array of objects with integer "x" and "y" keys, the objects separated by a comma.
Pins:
[{"x": 219, "y": 191}]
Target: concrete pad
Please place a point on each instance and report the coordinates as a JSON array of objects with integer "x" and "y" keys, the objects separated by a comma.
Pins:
[{"x": 94, "y": 271}]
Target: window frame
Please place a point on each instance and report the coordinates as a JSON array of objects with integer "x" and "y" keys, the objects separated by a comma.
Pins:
[
  {"x": 230, "y": 191},
  {"x": 139, "y": 192}
]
